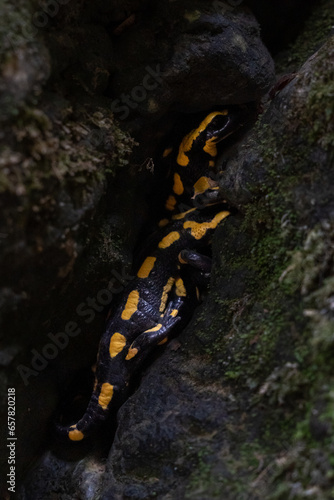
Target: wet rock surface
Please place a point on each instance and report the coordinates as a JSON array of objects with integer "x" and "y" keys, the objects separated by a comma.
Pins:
[
  {"x": 246, "y": 388},
  {"x": 201, "y": 45}
]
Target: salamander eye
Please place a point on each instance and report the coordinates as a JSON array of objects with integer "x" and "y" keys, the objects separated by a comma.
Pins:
[{"x": 219, "y": 127}]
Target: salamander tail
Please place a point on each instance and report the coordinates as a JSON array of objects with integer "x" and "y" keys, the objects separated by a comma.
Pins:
[{"x": 93, "y": 416}]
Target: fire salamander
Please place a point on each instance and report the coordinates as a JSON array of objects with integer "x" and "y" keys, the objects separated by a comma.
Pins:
[{"x": 164, "y": 291}]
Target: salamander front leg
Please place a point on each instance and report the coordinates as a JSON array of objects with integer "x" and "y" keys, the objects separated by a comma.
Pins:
[
  {"x": 198, "y": 267},
  {"x": 197, "y": 260},
  {"x": 208, "y": 197}
]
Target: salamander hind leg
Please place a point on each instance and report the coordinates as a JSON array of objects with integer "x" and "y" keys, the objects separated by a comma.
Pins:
[
  {"x": 176, "y": 315},
  {"x": 155, "y": 335}
]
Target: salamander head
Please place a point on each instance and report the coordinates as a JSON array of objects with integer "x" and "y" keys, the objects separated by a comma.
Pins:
[
  {"x": 200, "y": 145},
  {"x": 201, "y": 142}
]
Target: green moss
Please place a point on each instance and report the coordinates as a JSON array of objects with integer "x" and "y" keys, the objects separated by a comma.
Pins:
[
  {"x": 317, "y": 29},
  {"x": 277, "y": 349},
  {"x": 319, "y": 102},
  {"x": 202, "y": 474},
  {"x": 62, "y": 153},
  {"x": 310, "y": 376},
  {"x": 14, "y": 27}
]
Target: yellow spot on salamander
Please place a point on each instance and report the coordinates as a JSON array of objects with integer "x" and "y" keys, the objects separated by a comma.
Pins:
[
  {"x": 197, "y": 293},
  {"x": 117, "y": 342},
  {"x": 168, "y": 240},
  {"x": 146, "y": 267},
  {"x": 74, "y": 434},
  {"x": 155, "y": 328},
  {"x": 131, "y": 353},
  {"x": 174, "y": 313},
  {"x": 106, "y": 394},
  {"x": 202, "y": 185},
  {"x": 163, "y": 222},
  {"x": 170, "y": 203},
  {"x": 211, "y": 163},
  {"x": 180, "y": 288},
  {"x": 211, "y": 147},
  {"x": 131, "y": 305},
  {"x": 167, "y": 288},
  {"x": 183, "y": 214},
  {"x": 163, "y": 341},
  {"x": 178, "y": 186},
  {"x": 199, "y": 229},
  {"x": 167, "y": 152},
  {"x": 186, "y": 144}
]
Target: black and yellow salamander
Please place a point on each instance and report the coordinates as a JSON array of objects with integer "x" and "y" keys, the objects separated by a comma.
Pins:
[
  {"x": 164, "y": 291},
  {"x": 191, "y": 165}
]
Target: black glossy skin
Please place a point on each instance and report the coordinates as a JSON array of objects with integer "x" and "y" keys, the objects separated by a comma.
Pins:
[{"x": 177, "y": 261}]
